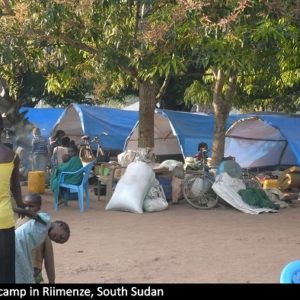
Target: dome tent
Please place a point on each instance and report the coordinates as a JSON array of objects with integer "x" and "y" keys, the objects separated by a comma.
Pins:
[
  {"x": 265, "y": 141},
  {"x": 78, "y": 120}
]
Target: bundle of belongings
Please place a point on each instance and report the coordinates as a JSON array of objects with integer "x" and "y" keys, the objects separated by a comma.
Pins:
[
  {"x": 192, "y": 163},
  {"x": 257, "y": 198},
  {"x": 230, "y": 187},
  {"x": 289, "y": 179}
]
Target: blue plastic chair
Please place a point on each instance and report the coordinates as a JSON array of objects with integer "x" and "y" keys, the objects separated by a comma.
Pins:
[
  {"x": 291, "y": 272},
  {"x": 82, "y": 189}
]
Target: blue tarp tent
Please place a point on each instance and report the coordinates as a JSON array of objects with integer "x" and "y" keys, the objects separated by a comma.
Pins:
[
  {"x": 43, "y": 118},
  {"x": 179, "y": 133},
  {"x": 79, "y": 120},
  {"x": 191, "y": 129},
  {"x": 265, "y": 141}
]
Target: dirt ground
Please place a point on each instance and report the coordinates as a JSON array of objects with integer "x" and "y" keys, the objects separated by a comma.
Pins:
[{"x": 179, "y": 245}]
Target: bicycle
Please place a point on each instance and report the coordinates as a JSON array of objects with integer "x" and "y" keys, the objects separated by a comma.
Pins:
[
  {"x": 197, "y": 185},
  {"x": 86, "y": 152}
]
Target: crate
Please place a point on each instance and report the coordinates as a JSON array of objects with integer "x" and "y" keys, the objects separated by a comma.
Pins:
[
  {"x": 166, "y": 184},
  {"x": 102, "y": 190}
]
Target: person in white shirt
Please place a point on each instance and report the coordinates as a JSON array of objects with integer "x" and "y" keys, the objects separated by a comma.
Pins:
[{"x": 30, "y": 235}]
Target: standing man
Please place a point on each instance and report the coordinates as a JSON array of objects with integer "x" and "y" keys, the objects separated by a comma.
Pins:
[
  {"x": 9, "y": 184},
  {"x": 39, "y": 151}
]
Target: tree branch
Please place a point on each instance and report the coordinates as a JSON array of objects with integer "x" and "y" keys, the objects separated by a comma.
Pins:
[
  {"x": 162, "y": 89},
  {"x": 67, "y": 40},
  {"x": 231, "y": 87},
  {"x": 79, "y": 45}
]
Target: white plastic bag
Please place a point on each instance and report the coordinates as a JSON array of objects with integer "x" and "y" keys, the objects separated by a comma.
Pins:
[
  {"x": 155, "y": 204},
  {"x": 170, "y": 164},
  {"x": 201, "y": 184},
  {"x": 155, "y": 200}
]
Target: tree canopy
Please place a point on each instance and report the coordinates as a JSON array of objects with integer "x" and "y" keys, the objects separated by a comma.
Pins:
[{"x": 238, "y": 52}]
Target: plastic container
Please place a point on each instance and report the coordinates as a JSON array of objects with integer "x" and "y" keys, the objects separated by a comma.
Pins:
[
  {"x": 270, "y": 184},
  {"x": 36, "y": 182},
  {"x": 102, "y": 170},
  {"x": 98, "y": 169}
]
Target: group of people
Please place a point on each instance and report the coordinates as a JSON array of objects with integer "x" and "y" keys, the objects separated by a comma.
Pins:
[
  {"x": 60, "y": 154},
  {"x": 40, "y": 155},
  {"x": 16, "y": 245}
]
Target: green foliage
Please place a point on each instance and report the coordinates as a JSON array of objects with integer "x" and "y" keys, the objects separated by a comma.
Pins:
[
  {"x": 261, "y": 47},
  {"x": 108, "y": 47},
  {"x": 198, "y": 93},
  {"x": 101, "y": 41}
]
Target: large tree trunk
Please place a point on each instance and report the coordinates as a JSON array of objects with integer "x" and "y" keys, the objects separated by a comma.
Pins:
[
  {"x": 147, "y": 94},
  {"x": 222, "y": 105}
]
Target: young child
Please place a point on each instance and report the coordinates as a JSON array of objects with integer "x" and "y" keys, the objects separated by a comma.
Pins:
[
  {"x": 31, "y": 235},
  {"x": 202, "y": 151},
  {"x": 43, "y": 253}
]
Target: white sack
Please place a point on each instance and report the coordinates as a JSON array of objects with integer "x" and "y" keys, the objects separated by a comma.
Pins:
[{"x": 132, "y": 188}]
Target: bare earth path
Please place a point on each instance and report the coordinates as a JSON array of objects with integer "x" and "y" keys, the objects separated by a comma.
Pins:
[{"x": 179, "y": 245}]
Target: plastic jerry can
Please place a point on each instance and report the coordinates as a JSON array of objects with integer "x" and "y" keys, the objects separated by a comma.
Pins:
[
  {"x": 270, "y": 184},
  {"x": 36, "y": 182}
]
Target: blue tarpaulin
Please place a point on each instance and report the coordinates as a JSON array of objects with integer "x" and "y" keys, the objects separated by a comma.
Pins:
[
  {"x": 43, "y": 118},
  {"x": 79, "y": 120},
  {"x": 193, "y": 128},
  {"x": 178, "y": 132}
]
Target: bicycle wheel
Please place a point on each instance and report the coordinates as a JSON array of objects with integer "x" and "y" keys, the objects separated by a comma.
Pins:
[{"x": 197, "y": 191}]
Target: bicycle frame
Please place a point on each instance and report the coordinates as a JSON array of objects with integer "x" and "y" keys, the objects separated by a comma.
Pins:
[
  {"x": 86, "y": 153},
  {"x": 197, "y": 185},
  {"x": 96, "y": 139}
]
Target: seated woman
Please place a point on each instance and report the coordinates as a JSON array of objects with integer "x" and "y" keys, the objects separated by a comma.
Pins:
[
  {"x": 70, "y": 165},
  {"x": 59, "y": 151}
]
